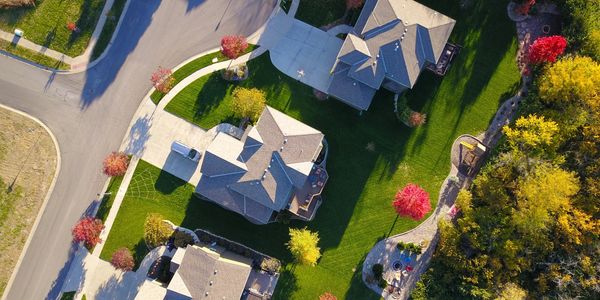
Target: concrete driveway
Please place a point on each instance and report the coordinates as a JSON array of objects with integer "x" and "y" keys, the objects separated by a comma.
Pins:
[{"x": 301, "y": 51}]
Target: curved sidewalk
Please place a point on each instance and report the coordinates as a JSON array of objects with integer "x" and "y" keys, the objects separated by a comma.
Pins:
[{"x": 385, "y": 252}]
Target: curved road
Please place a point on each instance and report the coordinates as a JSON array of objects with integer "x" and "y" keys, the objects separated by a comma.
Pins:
[{"x": 89, "y": 112}]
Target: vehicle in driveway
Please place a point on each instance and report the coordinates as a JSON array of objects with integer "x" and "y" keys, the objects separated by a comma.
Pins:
[{"x": 186, "y": 151}]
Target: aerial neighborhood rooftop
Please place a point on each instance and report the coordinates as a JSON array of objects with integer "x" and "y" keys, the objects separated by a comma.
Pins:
[{"x": 299, "y": 149}]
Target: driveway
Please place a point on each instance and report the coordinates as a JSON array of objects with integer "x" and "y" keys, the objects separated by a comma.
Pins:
[
  {"x": 301, "y": 51},
  {"x": 89, "y": 113}
]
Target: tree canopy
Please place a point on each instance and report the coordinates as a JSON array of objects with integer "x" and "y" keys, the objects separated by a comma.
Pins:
[
  {"x": 303, "y": 246},
  {"x": 412, "y": 201},
  {"x": 156, "y": 231},
  {"x": 248, "y": 103},
  {"x": 88, "y": 230},
  {"x": 571, "y": 79}
]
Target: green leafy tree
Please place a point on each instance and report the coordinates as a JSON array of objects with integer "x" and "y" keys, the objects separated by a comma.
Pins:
[
  {"x": 571, "y": 79},
  {"x": 156, "y": 231},
  {"x": 248, "y": 103},
  {"x": 303, "y": 245}
]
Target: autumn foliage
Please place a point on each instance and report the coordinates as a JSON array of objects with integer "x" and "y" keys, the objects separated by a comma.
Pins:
[
  {"x": 412, "y": 201},
  {"x": 232, "y": 46},
  {"x": 547, "y": 49},
  {"x": 162, "y": 80},
  {"x": 303, "y": 246},
  {"x": 122, "y": 259},
  {"x": 416, "y": 119},
  {"x": 115, "y": 164},
  {"x": 327, "y": 296},
  {"x": 88, "y": 230},
  {"x": 71, "y": 26}
]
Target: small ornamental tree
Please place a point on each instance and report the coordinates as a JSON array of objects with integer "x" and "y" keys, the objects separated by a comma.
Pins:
[
  {"x": 546, "y": 49},
  {"x": 303, "y": 245},
  {"x": 416, "y": 119},
  {"x": 412, "y": 201},
  {"x": 232, "y": 46},
  {"x": 71, "y": 26},
  {"x": 248, "y": 103},
  {"x": 354, "y": 4},
  {"x": 156, "y": 231},
  {"x": 122, "y": 259},
  {"x": 327, "y": 296},
  {"x": 88, "y": 230},
  {"x": 116, "y": 164},
  {"x": 162, "y": 80}
]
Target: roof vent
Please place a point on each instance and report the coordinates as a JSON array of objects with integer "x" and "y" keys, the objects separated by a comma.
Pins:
[
  {"x": 210, "y": 283},
  {"x": 284, "y": 141},
  {"x": 281, "y": 149},
  {"x": 206, "y": 294},
  {"x": 215, "y": 271},
  {"x": 405, "y": 29},
  {"x": 354, "y": 83}
]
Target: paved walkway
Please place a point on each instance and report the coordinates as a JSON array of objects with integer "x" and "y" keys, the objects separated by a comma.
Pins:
[
  {"x": 98, "y": 279},
  {"x": 78, "y": 63},
  {"x": 385, "y": 252}
]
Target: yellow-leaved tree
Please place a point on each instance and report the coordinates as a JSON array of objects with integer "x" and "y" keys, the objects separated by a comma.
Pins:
[
  {"x": 531, "y": 134},
  {"x": 156, "y": 231},
  {"x": 571, "y": 79},
  {"x": 248, "y": 103},
  {"x": 544, "y": 191},
  {"x": 303, "y": 245}
]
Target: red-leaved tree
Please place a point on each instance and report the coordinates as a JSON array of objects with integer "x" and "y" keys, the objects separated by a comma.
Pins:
[
  {"x": 412, "y": 201},
  {"x": 354, "y": 4},
  {"x": 71, "y": 26},
  {"x": 122, "y": 259},
  {"x": 115, "y": 164},
  {"x": 327, "y": 296},
  {"x": 162, "y": 80},
  {"x": 546, "y": 49},
  {"x": 88, "y": 230},
  {"x": 232, "y": 46}
]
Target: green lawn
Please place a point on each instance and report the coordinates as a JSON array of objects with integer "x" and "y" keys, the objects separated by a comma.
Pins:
[
  {"x": 357, "y": 210},
  {"x": 46, "y": 23},
  {"x": 320, "y": 12},
  {"x": 107, "y": 201},
  {"x": 33, "y": 56},
  {"x": 108, "y": 30},
  {"x": 193, "y": 66}
]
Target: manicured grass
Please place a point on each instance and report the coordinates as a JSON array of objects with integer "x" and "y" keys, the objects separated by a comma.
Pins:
[
  {"x": 193, "y": 66},
  {"x": 46, "y": 23},
  {"x": 357, "y": 211},
  {"x": 108, "y": 30},
  {"x": 107, "y": 201},
  {"x": 320, "y": 12},
  {"x": 33, "y": 56}
]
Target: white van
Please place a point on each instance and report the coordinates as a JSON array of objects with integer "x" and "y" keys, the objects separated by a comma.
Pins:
[{"x": 185, "y": 151}]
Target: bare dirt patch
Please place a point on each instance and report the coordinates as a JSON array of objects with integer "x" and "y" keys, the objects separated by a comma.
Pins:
[{"x": 27, "y": 164}]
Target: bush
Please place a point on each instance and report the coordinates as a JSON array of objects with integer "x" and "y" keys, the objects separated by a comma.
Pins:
[
  {"x": 327, "y": 296},
  {"x": 248, "y": 103},
  {"x": 16, "y": 3},
  {"x": 270, "y": 265},
  {"x": 122, "y": 259},
  {"x": 88, "y": 230},
  {"x": 181, "y": 239},
  {"x": 115, "y": 164},
  {"x": 156, "y": 231},
  {"x": 303, "y": 246},
  {"x": 377, "y": 271}
]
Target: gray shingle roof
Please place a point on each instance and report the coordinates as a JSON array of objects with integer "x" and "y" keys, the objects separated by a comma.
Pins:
[
  {"x": 208, "y": 276},
  {"x": 256, "y": 168},
  {"x": 401, "y": 36}
]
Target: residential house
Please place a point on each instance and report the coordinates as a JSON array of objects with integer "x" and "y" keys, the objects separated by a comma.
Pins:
[
  {"x": 276, "y": 166},
  {"x": 391, "y": 43}
]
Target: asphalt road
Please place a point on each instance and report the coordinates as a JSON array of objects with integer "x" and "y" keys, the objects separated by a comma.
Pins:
[{"x": 89, "y": 112}]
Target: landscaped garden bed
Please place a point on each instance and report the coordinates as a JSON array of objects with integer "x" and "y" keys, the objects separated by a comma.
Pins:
[
  {"x": 46, "y": 23},
  {"x": 193, "y": 66},
  {"x": 370, "y": 156}
]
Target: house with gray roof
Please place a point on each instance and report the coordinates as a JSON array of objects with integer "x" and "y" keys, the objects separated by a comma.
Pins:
[
  {"x": 392, "y": 41},
  {"x": 276, "y": 165}
]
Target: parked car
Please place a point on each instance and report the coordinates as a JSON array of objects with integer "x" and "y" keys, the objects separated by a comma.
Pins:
[{"x": 185, "y": 151}]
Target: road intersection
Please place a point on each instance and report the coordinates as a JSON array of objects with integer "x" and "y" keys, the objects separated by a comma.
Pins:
[{"x": 89, "y": 112}]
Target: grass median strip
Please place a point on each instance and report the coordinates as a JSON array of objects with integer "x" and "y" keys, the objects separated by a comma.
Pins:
[
  {"x": 112, "y": 20},
  {"x": 193, "y": 66},
  {"x": 33, "y": 56},
  {"x": 46, "y": 23}
]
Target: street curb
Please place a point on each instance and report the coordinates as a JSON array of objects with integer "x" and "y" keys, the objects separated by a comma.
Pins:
[{"x": 44, "y": 203}]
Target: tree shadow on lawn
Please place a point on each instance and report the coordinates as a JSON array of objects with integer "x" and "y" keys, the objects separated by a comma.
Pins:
[
  {"x": 358, "y": 289},
  {"x": 87, "y": 20},
  {"x": 211, "y": 96},
  {"x": 287, "y": 284},
  {"x": 486, "y": 40}
]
